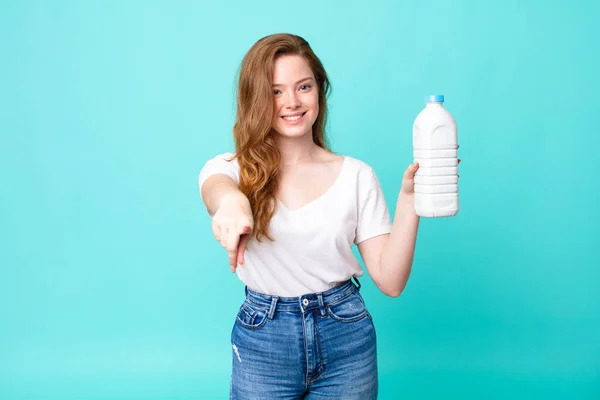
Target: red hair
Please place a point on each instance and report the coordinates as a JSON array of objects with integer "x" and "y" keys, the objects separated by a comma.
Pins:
[{"x": 256, "y": 151}]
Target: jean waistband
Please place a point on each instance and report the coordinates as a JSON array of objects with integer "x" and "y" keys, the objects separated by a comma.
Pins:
[{"x": 304, "y": 302}]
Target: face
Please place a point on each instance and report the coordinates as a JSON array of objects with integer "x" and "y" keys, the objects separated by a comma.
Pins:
[{"x": 295, "y": 97}]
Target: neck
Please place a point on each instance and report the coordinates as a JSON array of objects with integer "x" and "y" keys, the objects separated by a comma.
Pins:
[{"x": 296, "y": 151}]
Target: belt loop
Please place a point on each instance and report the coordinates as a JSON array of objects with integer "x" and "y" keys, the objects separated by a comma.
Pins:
[
  {"x": 246, "y": 290},
  {"x": 272, "y": 308},
  {"x": 357, "y": 282},
  {"x": 321, "y": 304}
]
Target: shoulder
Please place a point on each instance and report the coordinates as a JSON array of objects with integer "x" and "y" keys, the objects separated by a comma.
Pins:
[
  {"x": 359, "y": 167},
  {"x": 362, "y": 175},
  {"x": 223, "y": 163},
  {"x": 227, "y": 157}
]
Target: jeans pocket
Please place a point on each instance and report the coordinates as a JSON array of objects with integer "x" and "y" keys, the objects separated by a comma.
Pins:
[
  {"x": 251, "y": 316},
  {"x": 350, "y": 309}
]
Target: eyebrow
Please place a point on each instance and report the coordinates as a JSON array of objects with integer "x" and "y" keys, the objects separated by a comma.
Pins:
[{"x": 301, "y": 80}]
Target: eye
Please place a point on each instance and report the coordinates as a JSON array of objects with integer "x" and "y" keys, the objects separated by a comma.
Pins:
[
  {"x": 305, "y": 87},
  {"x": 276, "y": 92}
]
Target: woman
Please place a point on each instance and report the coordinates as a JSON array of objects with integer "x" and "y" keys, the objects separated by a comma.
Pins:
[{"x": 288, "y": 211}]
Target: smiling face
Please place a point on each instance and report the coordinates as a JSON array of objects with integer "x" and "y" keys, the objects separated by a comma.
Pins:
[{"x": 295, "y": 97}]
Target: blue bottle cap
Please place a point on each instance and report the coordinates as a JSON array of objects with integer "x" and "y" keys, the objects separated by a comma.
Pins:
[{"x": 438, "y": 98}]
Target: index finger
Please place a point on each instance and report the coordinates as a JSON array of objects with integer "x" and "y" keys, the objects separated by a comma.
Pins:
[{"x": 233, "y": 240}]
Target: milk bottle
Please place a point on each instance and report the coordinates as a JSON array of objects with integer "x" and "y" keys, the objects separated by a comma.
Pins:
[{"x": 435, "y": 145}]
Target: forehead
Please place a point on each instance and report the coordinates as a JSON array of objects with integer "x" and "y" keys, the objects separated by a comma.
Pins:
[{"x": 288, "y": 70}]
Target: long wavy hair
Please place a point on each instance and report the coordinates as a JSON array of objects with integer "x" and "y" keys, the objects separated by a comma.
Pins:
[{"x": 255, "y": 147}]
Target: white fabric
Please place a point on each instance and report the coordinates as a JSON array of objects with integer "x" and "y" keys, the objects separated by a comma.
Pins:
[{"x": 312, "y": 251}]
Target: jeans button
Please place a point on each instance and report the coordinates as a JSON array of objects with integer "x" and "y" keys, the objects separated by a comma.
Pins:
[{"x": 305, "y": 302}]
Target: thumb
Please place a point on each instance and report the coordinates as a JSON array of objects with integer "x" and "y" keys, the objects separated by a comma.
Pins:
[
  {"x": 242, "y": 245},
  {"x": 411, "y": 170}
]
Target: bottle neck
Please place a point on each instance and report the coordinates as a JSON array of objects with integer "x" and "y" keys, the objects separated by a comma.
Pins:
[{"x": 434, "y": 104}]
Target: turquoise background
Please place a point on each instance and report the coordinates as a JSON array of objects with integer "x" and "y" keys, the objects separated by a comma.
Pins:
[{"x": 111, "y": 284}]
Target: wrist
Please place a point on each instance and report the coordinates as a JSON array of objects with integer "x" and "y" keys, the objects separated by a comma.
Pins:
[
  {"x": 406, "y": 204},
  {"x": 406, "y": 198},
  {"x": 234, "y": 198}
]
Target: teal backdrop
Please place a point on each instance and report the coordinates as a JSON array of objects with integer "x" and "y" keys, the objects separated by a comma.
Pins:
[{"x": 111, "y": 284}]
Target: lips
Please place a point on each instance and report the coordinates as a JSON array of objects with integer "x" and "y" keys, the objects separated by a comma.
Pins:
[{"x": 293, "y": 117}]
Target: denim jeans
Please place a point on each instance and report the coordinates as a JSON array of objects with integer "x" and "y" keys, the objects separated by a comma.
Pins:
[{"x": 317, "y": 346}]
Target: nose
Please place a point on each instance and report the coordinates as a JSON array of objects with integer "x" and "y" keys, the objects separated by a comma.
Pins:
[{"x": 291, "y": 100}]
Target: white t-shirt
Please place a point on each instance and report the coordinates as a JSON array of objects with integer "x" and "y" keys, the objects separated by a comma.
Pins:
[{"x": 312, "y": 251}]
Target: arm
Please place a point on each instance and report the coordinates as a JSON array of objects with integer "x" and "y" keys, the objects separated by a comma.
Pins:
[
  {"x": 232, "y": 220},
  {"x": 217, "y": 187},
  {"x": 389, "y": 257}
]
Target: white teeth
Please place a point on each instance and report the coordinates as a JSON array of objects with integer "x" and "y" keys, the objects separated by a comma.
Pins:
[{"x": 297, "y": 117}]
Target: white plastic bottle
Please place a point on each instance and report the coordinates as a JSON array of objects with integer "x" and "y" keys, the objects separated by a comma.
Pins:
[{"x": 435, "y": 146}]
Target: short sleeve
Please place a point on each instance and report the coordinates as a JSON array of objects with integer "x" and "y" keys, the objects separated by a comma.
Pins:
[
  {"x": 373, "y": 214},
  {"x": 220, "y": 165}
]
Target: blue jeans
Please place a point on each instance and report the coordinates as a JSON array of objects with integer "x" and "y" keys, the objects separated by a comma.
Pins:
[{"x": 317, "y": 346}]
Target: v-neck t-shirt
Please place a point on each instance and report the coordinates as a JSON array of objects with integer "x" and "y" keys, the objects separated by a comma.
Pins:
[{"x": 312, "y": 250}]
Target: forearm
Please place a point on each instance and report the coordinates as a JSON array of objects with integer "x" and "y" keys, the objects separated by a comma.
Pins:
[
  {"x": 220, "y": 187},
  {"x": 397, "y": 256}
]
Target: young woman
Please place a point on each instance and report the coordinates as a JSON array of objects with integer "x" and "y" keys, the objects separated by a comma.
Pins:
[{"x": 288, "y": 210}]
